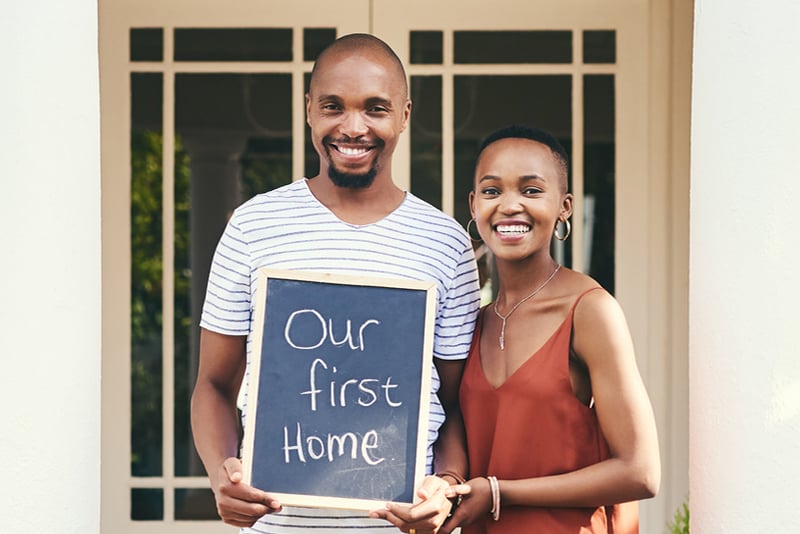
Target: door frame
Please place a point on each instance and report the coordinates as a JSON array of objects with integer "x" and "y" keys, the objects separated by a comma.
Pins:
[{"x": 653, "y": 75}]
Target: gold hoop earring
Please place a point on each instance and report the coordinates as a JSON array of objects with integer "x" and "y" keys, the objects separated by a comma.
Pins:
[
  {"x": 566, "y": 235},
  {"x": 469, "y": 231}
]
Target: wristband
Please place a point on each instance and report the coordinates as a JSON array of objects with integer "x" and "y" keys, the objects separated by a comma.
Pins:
[
  {"x": 455, "y": 501},
  {"x": 458, "y": 478},
  {"x": 494, "y": 486}
]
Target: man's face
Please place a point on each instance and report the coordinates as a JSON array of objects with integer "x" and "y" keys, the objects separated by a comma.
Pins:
[{"x": 356, "y": 108}]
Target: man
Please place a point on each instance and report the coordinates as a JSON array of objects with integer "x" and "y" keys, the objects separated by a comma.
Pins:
[{"x": 350, "y": 219}]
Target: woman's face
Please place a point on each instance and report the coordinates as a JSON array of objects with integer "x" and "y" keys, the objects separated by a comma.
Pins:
[{"x": 518, "y": 197}]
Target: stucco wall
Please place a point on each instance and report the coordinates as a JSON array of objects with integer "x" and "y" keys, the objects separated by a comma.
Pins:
[
  {"x": 745, "y": 259},
  {"x": 50, "y": 268}
]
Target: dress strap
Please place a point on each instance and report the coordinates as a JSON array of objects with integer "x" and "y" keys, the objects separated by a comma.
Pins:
[{"x": 580, "y": 297}]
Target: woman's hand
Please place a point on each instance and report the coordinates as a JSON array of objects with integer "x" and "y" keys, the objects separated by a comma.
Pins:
[{"x": 475, "y": 502}]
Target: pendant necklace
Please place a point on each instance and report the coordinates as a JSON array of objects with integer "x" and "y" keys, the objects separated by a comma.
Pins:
[{"x": 517, "y": 305}]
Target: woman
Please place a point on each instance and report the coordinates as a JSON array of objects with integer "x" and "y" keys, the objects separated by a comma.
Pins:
[{"x": 559, "y": 425}]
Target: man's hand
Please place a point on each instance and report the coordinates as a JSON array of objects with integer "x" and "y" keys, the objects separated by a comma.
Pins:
[
  {"x": 424, "y": 516},
  {"x": 239, "y": 504}
]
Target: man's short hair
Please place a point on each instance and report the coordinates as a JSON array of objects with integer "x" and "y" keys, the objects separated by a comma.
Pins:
[
  {"x": 354, "y": 42},
  {"x": 521, "y": 131}
]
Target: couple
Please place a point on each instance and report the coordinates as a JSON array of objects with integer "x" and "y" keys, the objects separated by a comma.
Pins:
[{"x": 544, "y": 443}]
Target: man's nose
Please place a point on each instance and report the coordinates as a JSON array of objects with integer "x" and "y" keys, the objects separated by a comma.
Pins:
[{"x": 353, "y": 125}]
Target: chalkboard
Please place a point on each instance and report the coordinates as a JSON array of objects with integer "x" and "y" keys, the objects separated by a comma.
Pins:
[{"x": 339, "y": 389}]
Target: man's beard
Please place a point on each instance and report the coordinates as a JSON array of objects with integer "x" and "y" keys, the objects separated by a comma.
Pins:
[
  {"x": 352, "y": 181},
  {"x": 346, "y": 179}
]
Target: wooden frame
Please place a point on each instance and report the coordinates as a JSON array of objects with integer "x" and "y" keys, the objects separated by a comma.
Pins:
[{"x": 330, "y": 351}]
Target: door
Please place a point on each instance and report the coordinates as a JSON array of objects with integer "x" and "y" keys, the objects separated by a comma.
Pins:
[
  {"x": 611, "y": 80},
  {"x": 475, "y": 66},
  {"x": 202, "y": 107}
]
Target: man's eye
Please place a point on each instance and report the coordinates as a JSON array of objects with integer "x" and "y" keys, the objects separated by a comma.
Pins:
[
  {"x": 532, "y": 191},
  {"x": 490, "y": 191}
]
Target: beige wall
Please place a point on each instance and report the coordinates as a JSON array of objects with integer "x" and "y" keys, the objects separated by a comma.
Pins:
[
  {"x": 745, "y": 369},
  {"x": 50, "y": 271}
]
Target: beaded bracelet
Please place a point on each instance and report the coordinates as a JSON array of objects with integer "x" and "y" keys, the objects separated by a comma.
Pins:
[{"x": 495, "y": 488}]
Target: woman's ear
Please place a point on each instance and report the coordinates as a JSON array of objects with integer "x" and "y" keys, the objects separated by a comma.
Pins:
[
  {"x": 566, "y": 206},
  {"x": 471, "y": 203}
]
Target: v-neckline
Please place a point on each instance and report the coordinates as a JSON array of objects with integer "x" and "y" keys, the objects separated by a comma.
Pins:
[{"x": 524, "y": 362}]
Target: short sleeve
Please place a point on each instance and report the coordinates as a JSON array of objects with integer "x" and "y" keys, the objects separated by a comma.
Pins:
[
  {"x": 458, "y": 311},
  {"x": 226, "y": 309}
]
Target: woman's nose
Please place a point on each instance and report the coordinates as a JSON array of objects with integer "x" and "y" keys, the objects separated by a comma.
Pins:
[{"x": 510, "y": 203}]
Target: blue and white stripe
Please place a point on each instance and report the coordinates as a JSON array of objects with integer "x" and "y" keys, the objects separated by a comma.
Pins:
[{"x": 288, "y": 228}]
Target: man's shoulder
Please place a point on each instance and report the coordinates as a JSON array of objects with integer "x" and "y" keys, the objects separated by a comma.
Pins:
[
  {"x": 427, "y": 213},
  {"x": 281, "y": 198}
]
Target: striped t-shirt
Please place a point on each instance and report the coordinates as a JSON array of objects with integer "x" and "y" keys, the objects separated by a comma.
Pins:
[{"x": 288, "y": 228}]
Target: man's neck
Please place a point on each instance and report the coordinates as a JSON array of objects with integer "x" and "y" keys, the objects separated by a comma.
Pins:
[{"x": 358, "y": 206}]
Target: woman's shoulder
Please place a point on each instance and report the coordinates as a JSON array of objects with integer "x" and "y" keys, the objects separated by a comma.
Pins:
[
  {"x": 575, "y": 284},
  {"x": 587, "y": 297}
]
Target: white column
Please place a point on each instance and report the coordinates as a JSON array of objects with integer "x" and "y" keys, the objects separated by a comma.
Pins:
[
  {"x": 745, "y": 268},
  {"x": 50, "y": 268}
]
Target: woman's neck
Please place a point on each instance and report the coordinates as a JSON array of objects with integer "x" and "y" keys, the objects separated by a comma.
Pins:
[{"x": 519, "y": 278}]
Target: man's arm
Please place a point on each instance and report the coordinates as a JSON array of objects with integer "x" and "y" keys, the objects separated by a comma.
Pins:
[
  {"x": 450, "y": 461},
  {"x": 450, "y": 449},
  {"x": 215, "y": 428}
]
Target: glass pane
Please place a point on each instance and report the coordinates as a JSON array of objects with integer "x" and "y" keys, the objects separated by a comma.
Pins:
[
  {"x": 541, "y": 46},
  {"x": 266, "y": 164},
  {"x": 195, "y": 503},
  {"x": 426, "y": 47},
  {"x": 426, "y": 138},
  {"x": 147, "y": 504},
  {"x": 147, "y": 44},
  {"x": 315, "y": 40},
  {"x": 485, "y": 103},
  {"x": 311, "y": 167},
  {"x": 599, "y": 177},
  {"x": 225, "y": 154},
  {"x": 186, "y": 339},
  {"x": 233, "y": 44},
  {"x": 599, "y": 46},
  {"x": 146, "y": 273}
]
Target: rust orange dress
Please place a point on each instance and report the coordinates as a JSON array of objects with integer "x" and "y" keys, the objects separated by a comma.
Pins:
[{"x": 533, "y": 426}]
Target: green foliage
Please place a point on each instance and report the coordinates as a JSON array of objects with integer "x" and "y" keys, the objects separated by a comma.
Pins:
[
  {"x": 265, "y": 165},
  {"x": 146, "y": 224},
  {"x": 680, "y": 522},
  {"x": 146, "y": 308},
  {"x": 147, "y": 270}
]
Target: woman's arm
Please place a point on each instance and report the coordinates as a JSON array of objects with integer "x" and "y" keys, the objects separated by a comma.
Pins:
[
  {"x": 602, "y": 340},
  {"x": 632, "y": 472}
]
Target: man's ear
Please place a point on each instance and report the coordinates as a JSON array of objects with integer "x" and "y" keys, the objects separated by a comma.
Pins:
[
  {"x": 406, "y": 115},
  {"x": 308, "y": 109}
]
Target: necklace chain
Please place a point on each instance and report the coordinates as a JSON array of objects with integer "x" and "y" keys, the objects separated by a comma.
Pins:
[{"x": 517, "y": 305}]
